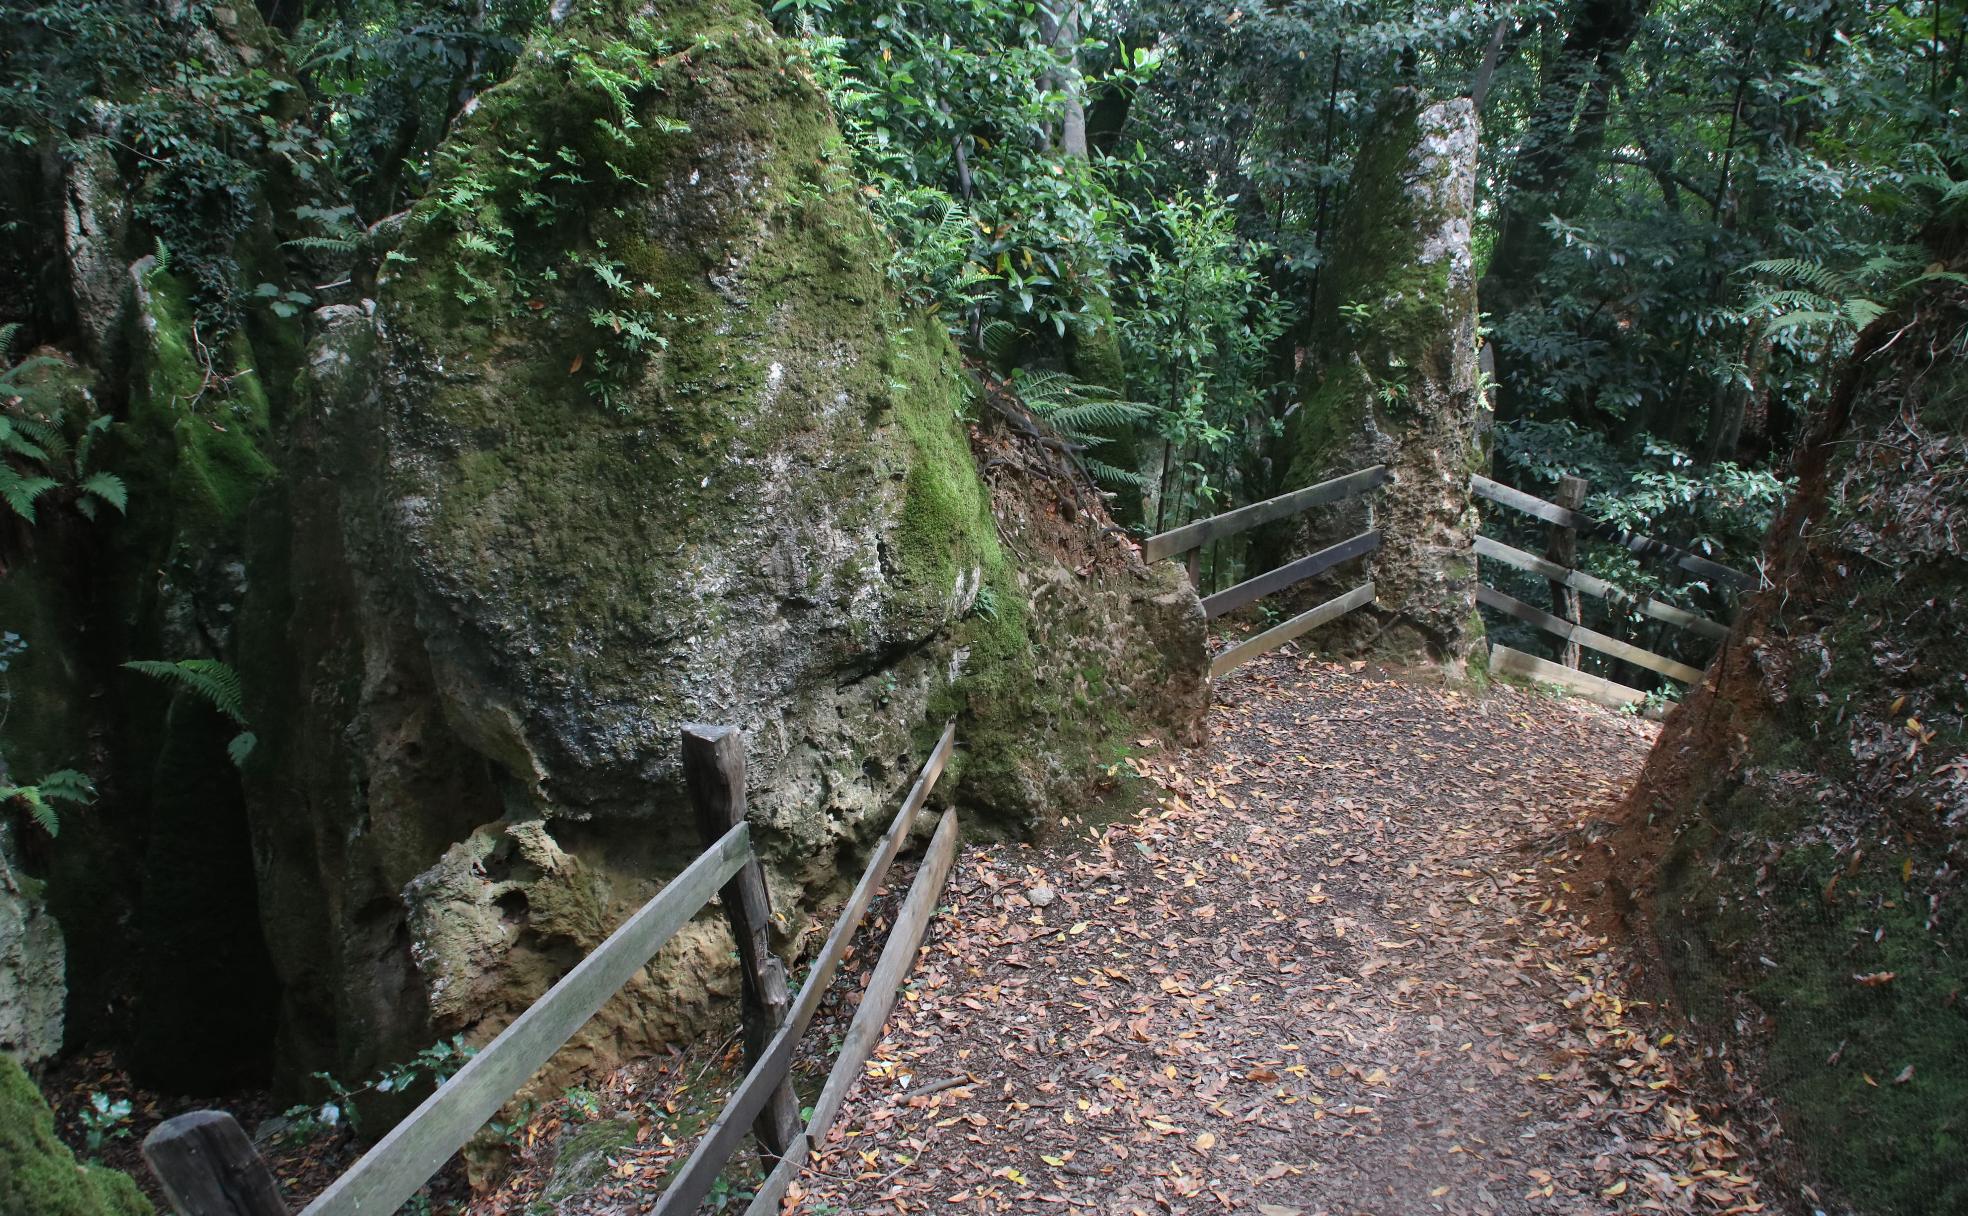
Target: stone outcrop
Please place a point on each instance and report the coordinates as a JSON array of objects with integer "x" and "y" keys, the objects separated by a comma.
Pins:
[
  {"x": 1396, "y": 381},
  {"x": 33, "y": 981},
  {"x": 670, "y": 451},
  {"x": 631, "y": 430}
]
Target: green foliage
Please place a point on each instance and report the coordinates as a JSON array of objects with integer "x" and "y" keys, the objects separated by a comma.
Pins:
[
  {"x": 434, "y": 1065},
  {"x": 386, "y": 78},
  {"x": 950, "y": 112},
  {"x": 103, "y": 1120},
  {"x": 214, "y": 682},
  {"x": 38, "y": 1173},
  {"x": 1198, "y": 327},
  {"x": 44, "y": 446},
  {"x": 39, "y": 798}
]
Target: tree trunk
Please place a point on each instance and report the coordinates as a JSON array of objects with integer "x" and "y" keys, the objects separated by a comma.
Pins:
[{"x": 1567, "y": 125}]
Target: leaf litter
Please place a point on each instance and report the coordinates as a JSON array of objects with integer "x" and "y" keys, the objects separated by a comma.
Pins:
[{"x": 1335, "y": 964}]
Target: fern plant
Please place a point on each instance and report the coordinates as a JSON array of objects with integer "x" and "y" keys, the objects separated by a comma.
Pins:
[
  {"x": 214, "y": 681},
  {"x": 1077, "y": 414},
  {"x": 39, "y": 798},
  {"x": 34, "y": 447}
]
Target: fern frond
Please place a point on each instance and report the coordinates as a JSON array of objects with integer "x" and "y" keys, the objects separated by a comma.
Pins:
[
  {"x": 241, "y": 747},
  {"x": 997, "y": 337},
  {"x": 67, "y": 785},
  {"x": 62, "y": 785},
  {"x": 217, "y": 682},
  {"x": 1821, "y": 279},
  {"x": 1043, "y": 389},
  {"x": 1862, "y": 312},
  {"x": 1113, "y": 476},
  {"x": 163, "y": 257},
  {"x": 1803, "y": 318},
  {"x": 19, "y": 492},
  {"x": 110, "y": 488},
  {"x": 321, "y": 244},
  {"x": 1094, "y": 415},
  {"x": 39, "y": 810},
  {"x": 8, "y": 333}
]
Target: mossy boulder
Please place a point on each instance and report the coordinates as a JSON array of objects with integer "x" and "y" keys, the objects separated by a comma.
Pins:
[
  {"x": 39, "y": 1176},
  {"x": 1394, "y": 381},
  {"x": 637, "y": 433}
]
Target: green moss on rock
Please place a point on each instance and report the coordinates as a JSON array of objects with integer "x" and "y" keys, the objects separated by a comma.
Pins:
[{"x": 39, "y": 1176}]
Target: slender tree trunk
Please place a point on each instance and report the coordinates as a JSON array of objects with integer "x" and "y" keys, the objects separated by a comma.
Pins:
[{"x": 1566, "y": 129}]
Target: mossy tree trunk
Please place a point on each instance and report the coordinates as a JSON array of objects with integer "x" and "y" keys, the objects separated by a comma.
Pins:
[{"x": 1394, "y": 381}]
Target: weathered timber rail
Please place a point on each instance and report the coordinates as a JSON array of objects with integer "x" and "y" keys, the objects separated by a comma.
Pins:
[
  {"x": 1632, "y": 542},
  {"x": 1567, "y": 582},
  {"x": 208, "y": 1167},
  {"x": 1188, "y": 540}
]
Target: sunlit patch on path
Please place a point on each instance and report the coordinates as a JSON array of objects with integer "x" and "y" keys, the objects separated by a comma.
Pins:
[{"x": 1334, "y": 966}]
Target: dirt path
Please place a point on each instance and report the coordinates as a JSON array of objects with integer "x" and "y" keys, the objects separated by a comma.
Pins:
[{"x": 1333, "y": 968}]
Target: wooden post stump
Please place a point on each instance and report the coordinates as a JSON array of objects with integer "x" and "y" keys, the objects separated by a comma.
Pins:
[
  {"x": 1562, "y": 547},
  {"x": 209, "y": 1168},
  {"x": 714, "y": 770}
]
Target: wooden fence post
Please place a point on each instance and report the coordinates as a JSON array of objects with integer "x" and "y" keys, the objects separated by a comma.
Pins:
[
  {"x": 209, "y": 1168},
  {"x": 714, "y": 770},
  {"x": 1562, "y": 547}
]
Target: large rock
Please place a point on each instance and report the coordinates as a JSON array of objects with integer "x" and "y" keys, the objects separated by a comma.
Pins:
[
  {"x": 637, "y": 434},
  {"x": 1396, "y": 379},
  {"x": 33, "y": 982}
]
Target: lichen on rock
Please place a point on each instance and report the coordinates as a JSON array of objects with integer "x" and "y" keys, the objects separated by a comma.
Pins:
[{"x": 33, "y": 977}]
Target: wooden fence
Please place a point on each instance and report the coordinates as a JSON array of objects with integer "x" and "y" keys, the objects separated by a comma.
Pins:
[
  {"x": 1568, "y": 583},
  {"x": 1567, "y": 524},
  {"x": 208, "y": 1167},
  {"x": 1187, "y": 541}
]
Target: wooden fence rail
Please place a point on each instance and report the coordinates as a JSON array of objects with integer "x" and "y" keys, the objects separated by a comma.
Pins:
[
  {"x": 898, "y": 957},
  {"x": 208, "y": 1167},
  {"x": 1278, "y": 635},
  {"x": 1530, "y": 563},
  {"x": 1189, "y": 538},
  {"x": 1632, "y": 542},
  {"x": 1505, "y": 661},
  {"x": 1490, "y": 597},
  {"x": 1195, "y": 535},
  {"x": 692, "y": 1181},
  {"x": 1232, "y": 598}
]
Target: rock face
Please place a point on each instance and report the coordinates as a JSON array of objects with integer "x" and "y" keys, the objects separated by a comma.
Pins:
[
  {"x": 33, "y": 983},
  {"x": 1798, "y": 837},
  {"x": 1396, "y": 382},
  {"x": 637, "y": 434}
]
